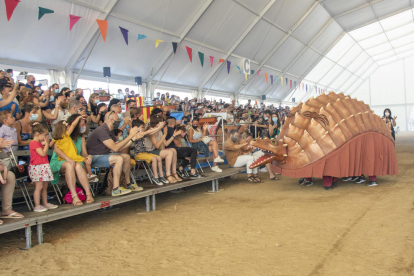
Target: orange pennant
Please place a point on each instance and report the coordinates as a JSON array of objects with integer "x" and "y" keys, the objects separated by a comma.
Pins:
[
  {"x": 221, "y": 60},
  {"x": 267, "y": 80},
  {"x": 103, "y": 27}
]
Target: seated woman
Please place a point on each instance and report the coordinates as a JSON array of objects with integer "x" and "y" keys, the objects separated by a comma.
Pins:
[
  {"x": 62, "y": 163},
  {"x": 217, "y": 129},
  {"x": 274, "y": 126},
  {"x": 196, "y": 136},
  {"x": 246, "y": 138},
  {"x": 155, "y": 144}
]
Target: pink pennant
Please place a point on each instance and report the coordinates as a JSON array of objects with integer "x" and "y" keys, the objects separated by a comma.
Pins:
[
  {"x": 211, "y": 60},
  {"x": 73, "y": 19},
  {"x": 10, "y": 6},
  {"x": 258, "y": 72}
]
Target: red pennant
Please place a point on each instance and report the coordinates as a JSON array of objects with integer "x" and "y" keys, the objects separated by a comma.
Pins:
[
  {"x": 290, "y": 83},
  {"x": 190, "y": 53},
  {"x": 211, "y": 60},
  {"x": 221, "y": 60},
  {"x": 10, "y": 6},
  {"x": 73, "y": 19}
]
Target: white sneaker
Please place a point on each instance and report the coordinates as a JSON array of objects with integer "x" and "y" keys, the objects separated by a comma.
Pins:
[
  {"x": 39, "y": 209},
  {"x": 218, "y": 160},
  {"x": 216, "y": 169},
  {"x": 263, "y": 170}
]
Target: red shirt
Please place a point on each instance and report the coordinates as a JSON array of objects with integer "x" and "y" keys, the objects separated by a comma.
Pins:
[{"x": 35, "y": 158}]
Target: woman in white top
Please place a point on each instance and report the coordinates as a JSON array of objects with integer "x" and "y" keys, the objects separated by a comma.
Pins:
[{"x": 155, "y": 144}]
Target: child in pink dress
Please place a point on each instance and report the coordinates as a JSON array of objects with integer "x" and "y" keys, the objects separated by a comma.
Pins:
[{"x": 39, "y": 169}]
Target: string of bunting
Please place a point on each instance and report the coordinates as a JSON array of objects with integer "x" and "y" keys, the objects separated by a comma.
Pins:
[{"x": 103, "y": 28}]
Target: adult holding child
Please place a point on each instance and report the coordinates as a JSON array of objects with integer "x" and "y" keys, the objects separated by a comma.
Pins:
[{"x": 70, "y": 154}]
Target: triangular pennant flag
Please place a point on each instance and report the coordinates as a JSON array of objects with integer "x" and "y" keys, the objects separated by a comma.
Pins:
[
  {"x": 201, "y": 56},
  {"x": 277, "y": 80},
  {"x": 103, "y": 27},
  {"x": 174, "y": 46},
  {"x": 267, "y": 80},
  {"x": 221, "y": 60},
  {"x": 271, "y": 79},
  {"x": 211, "y": 61},
  {"x": 295, "y": 84},
  {"x": 258, "y": 72},
  {"x": 306, "y": 88},
  {"x": 251, "y": 72},
  {"x": 124, "y": 34},
  {"x": 140, "y": 36},
  {"x": 190, "y": 53},
  {"x": 245, "y": 76},
  {"x": 290, "y": 83},
  {"x": 10, "y": 6},
  {"x": 228, "y": 67},
  {"x": 281, "y": 80},
  {"x": 303, "y": 86},
  {"x": 157, "y": 42},
  {"x": 238, "y": 67},
  {"x": 286, "y": 80},
  {"x": 43, "y": 11},
  {"x": 73, "y": 19}
]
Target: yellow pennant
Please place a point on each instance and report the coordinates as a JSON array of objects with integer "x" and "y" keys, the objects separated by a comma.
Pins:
[
  {"x": 157, "y": 42},
  {"x": 245, "y": 76}
]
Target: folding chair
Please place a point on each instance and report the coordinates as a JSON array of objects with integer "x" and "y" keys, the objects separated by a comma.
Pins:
[
  {"x": 188, "y": 142},
  {"x": 147, "y": 169}
]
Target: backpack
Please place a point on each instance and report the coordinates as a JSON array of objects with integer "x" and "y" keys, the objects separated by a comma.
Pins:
[{"x": 108, "y": 182}]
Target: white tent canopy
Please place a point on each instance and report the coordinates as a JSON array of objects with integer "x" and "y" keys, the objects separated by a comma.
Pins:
[{"x": 334, "y": 44}]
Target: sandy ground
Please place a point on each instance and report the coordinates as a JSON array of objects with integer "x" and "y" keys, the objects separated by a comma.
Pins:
[{"x": 272, "y": 228}]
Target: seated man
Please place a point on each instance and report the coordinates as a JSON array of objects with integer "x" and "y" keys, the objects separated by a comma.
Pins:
[
  {"x": 183, "y": 153},
  {"x": 100, "y": 143},
  {"x": 236, "y": 159}
]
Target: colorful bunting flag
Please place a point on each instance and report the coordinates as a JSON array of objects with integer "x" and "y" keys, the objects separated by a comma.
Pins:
[
  {"x": 290, "y": 83},
  {"x": 228, "y": 67},
  {"x": 271, "y": 79},
  {"x": 140, "y": 36},
  {"x": 73, "y": 19},
  {"x": 43, "y": 11},
  {"x": 238, "y": 67},
  {"x": 258, "y": 72},
  {"x": 281, "y": 80},
  {"x": 221, "y": 60},
  {"x": 245, "y": 76},
  {"x": 103, "y": 27},
  {"x": 251, "y": 72},
  {"x": 174, "y": 44},
  {"x": 10, "y": 6},
  {"x": 211, "y": 61},
  {"x": 295, "y": 84},
  {"x": 157, "y": 42},
  {"x": 277, "y": 80},
  {"x": 201, "y": 56},
  {"x": 286, "y": 80},
  {"x": 303, "y": 86},
  {"x": 306, "y": 88},
  {"x": 190, "y": 53},
  {"x": 124, "y": 34},
  {"x": 267, "y": 80}
]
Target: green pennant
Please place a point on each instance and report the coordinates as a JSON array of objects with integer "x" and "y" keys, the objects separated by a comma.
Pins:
[
  {"x": 251, "y": 72},
  {"x": 201, "y": 56},
  {"x": 43, "y": 11}
]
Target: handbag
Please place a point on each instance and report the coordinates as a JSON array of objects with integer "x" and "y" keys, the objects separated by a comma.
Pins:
[
  {"x": 19, "y": 170},
  {"x": 206, "y": 140}
]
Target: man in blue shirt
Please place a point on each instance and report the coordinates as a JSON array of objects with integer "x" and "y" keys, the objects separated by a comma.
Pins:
[
  {"x": 30, "y": 82},
  {"x": 5, "y": 91}
]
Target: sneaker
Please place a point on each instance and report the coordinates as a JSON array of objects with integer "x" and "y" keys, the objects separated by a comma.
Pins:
[
  {"x": 216, "y": 169},
  {"x": 360, "y": 180},
  {"x": 135, "y": 188},
  {"x": 120, "y": 191},
  {"x": 39, "y": 209},
  {"x": 187, "y": 175},
  {"x": 372, "y": 183},
  {"x": 354, "y": 178},
  {"x": 163, "y": 180},
  {"x": 346, "y": 179},
  {"x": 328, "y": 188},
  {"x": 93, "y": 178},
  {"x": 302, "y": 181},
  {"x": 218, "y": 160},
  {"x": 308, "y": 183},
  {"x": 195, "y": 176},
  {"x": 334, "y": 184},
  {"x": 263, "y": 170},
  {"x": 50, "y": 206},
  {"x": 157, "y": 181},
  {"x": 181, "y": 174}
]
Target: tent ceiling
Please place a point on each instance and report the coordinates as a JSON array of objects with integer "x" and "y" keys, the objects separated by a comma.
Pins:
[{"x": 334, "y": 43}]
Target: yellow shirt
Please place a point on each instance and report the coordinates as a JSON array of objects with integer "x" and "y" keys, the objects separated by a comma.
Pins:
[{"x": 68, "y": 147}]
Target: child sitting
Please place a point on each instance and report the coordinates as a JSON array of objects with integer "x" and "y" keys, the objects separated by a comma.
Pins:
[
  {"x": 154, "y": 160},
  {"x": 61, "y": 136},
  {"x": 39, "y": 169},
  {"x": 8, "y": 132}
]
